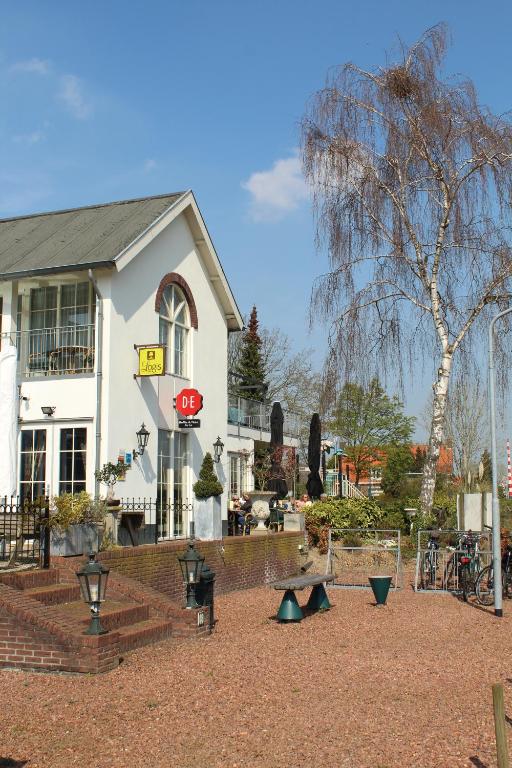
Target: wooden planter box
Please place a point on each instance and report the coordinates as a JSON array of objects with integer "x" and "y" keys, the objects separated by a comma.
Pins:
[{"x": 76, "y": 540}]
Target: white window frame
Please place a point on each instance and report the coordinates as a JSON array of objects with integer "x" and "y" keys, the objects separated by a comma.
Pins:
[
  {"x": 32, "y": 482},
  {"x": 172, "y": 304},
  {"x": 172, "y": 516},
  {"x": 73, "y": 452}
]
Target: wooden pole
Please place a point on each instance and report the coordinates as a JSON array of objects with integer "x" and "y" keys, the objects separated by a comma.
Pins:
[{"x": 499, "y": 726}]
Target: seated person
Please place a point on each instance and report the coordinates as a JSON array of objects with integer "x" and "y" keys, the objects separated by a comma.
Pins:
[
  {"x": 244, "y": 509},
  {"x": 302, "y": 502}
]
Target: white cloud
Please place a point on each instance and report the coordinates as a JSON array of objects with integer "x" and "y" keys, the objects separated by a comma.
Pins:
[
  {"x": 29, "y": 138},
  {"x": 72, "y": 96},
  {"x": 36, "y": 66},
  {"x": 149, "y": 165},
  {"x": 277, "y": 191}
]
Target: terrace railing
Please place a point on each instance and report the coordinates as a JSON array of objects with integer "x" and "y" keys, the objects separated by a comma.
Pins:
[
  {"x": 54, "y": 351},
  {"x": 243, "y": 412}
]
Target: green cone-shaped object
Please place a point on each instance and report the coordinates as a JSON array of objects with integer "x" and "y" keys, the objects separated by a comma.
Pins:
[
  {"x": 380, "y": 586},
  {"x": 318, "y": 600},
  {"x": 289, "y": 610}
]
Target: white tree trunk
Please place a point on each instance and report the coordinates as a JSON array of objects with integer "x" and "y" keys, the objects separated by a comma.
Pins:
[{"x": 436, "y": 434}]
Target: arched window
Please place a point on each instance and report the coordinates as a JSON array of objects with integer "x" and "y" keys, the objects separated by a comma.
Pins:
[{"x": 175, "y": 328}]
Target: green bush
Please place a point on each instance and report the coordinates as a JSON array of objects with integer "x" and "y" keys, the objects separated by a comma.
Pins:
[
  {"x": 73, "y": 509},
  {"x": 339, "y": 513},
  {"x": 208, "y": 484}
]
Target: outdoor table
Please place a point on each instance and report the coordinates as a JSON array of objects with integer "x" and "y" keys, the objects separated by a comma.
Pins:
[{"x": 289, "y": 609}]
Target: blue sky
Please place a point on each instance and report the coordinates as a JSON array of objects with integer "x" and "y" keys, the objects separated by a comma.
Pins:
[{"x": 112, "y": 100}]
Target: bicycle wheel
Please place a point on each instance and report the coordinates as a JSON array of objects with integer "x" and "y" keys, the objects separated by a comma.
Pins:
[
  {"x": 425, "y": 571},
  {"x": 507, "y": 584},
  {"x": 485, "y": 586},
  {"x": 465, "y": 582},
  {"x": 449, "y": 574}
]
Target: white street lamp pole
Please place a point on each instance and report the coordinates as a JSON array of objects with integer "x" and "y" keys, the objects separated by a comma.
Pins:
[{"x": 496, "y": 542}]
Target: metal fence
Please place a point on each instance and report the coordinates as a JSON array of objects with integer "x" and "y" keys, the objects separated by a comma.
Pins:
[
  {"x": 149, "y": 521},
  {"x": 438, "y": 568},
  {"x": 55, "y": 351},
  {"x": 355, "y": 554},
  {"x": 24, "y": 536}
]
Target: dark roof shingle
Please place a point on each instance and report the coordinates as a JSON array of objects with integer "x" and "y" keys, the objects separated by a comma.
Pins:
[{"x": 79, "y": 237}]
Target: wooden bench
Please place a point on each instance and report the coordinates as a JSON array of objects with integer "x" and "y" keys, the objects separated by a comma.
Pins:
[{"x": 290, "y": 610}]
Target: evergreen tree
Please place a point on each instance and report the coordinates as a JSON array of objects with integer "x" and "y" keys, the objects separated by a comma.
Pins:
[
  {"x": 250, "y": 368},
  {"x": 208, "y": 484}
]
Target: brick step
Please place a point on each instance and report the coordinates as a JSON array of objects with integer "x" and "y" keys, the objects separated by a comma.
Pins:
[
  {"x": 30, "y": 579},
  {"x": 113, "y": 614},
  {"x": 54, "y": 594},
  {"x": 142, "y": 633}
]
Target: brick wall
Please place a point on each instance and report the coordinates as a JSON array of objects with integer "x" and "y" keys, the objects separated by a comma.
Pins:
[
  {"x": 34, "y": 636},
  {"x": 239, "y": 562}
]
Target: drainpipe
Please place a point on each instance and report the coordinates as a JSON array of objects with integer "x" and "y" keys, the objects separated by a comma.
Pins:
[{"x": 99, "y": 378}]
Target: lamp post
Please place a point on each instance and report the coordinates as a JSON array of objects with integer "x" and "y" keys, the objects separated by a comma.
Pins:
[
  {"x": 218, "y": 448},
  {"x": 496, "y": 542},
  {"x": 191, "y": 564},
  {"x": 142, "y": 441},
  {"x": 93, "y": 578}
]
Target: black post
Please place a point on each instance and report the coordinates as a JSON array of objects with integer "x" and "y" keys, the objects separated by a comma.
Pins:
[
  {"x": 46, "y": 534},
  {"x": 323, "y": 467},
  {"x": 340, "y": 476}
]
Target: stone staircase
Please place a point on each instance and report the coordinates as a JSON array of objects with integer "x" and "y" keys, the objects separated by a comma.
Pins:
[{"x": 43, "y": 619}]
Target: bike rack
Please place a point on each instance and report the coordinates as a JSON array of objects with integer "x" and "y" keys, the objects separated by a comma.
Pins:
[{"x": 446, "y": 572}]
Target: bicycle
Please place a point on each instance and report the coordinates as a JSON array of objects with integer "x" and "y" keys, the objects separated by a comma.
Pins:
[
  {"x": 430, "y": 562},
  {"x": 463, "y": 566},
  {"x": 484, "y": 587}
]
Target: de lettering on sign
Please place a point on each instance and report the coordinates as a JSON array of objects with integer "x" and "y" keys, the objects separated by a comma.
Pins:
[{"x": 189, "y": 402}]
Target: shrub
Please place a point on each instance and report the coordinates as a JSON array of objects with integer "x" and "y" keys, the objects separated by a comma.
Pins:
[
  {"x": 208, "y": 484},
  {"x": 73, "y": 509},
  {"x": 352, "y": 540},
  {"x": 339, "y": 513},
  {"x": 109, "y": 474}
]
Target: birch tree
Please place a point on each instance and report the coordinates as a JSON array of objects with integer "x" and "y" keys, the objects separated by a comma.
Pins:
[{"x": 412, "y": 182}]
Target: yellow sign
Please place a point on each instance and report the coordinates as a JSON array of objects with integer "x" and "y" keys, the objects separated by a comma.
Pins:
[{"x": 151, "y": 361}]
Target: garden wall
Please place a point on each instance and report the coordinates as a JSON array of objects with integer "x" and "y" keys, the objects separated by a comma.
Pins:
[{"x": 239, "y": 562}]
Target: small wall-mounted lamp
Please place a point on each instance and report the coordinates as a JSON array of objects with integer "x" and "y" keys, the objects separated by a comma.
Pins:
[
  {"x": 142, "y": 441},
  {"x": 218, "y": 447},
  {"x": 48, "y": 410}
]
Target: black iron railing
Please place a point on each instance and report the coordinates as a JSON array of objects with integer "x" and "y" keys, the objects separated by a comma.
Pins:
[
  {"x": 24, "y": 535},
  {"x": 149, "y": 521}
]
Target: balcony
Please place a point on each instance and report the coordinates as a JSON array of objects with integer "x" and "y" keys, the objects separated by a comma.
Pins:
[
  {"x": 54, "y": 351},
  {"x": 243, "y": 412}
]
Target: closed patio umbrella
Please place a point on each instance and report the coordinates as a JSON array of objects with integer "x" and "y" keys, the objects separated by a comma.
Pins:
[
  {"x": 314, "y": 484},
  {"x": 277, "y": 481}
]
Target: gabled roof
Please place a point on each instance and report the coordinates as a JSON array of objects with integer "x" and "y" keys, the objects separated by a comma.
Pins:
[
  {"x": 107, "y": 235},
  {"x": 75, "y": 238}
]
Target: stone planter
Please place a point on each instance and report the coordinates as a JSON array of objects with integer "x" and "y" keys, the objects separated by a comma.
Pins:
[
  {"x": 207, "y": 519},
  {"x": 76, "y": 540},
  {"x": 260, "y": 508}
]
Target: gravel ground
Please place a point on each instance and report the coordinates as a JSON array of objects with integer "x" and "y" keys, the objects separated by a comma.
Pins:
[{"x": 406, "y": 685}]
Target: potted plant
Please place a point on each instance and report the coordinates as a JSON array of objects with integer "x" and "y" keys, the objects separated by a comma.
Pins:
[
  {"x": 75, "y": 522},
  {"x": 207, "y": 491},
  {"x": 109, "y": 474}
]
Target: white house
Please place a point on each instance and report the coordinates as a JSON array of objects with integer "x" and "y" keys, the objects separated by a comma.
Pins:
[{"x": 80, "y": 289}]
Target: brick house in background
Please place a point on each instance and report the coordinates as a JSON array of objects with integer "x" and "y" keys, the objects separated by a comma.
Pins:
[{"x": 372, "y": 479}]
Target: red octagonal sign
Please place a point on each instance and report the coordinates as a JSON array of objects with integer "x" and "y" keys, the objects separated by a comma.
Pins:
[{"x": 189, "y": 402}]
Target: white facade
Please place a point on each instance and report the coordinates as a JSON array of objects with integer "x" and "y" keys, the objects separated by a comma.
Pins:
[{"x": 106, "y": 407}]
